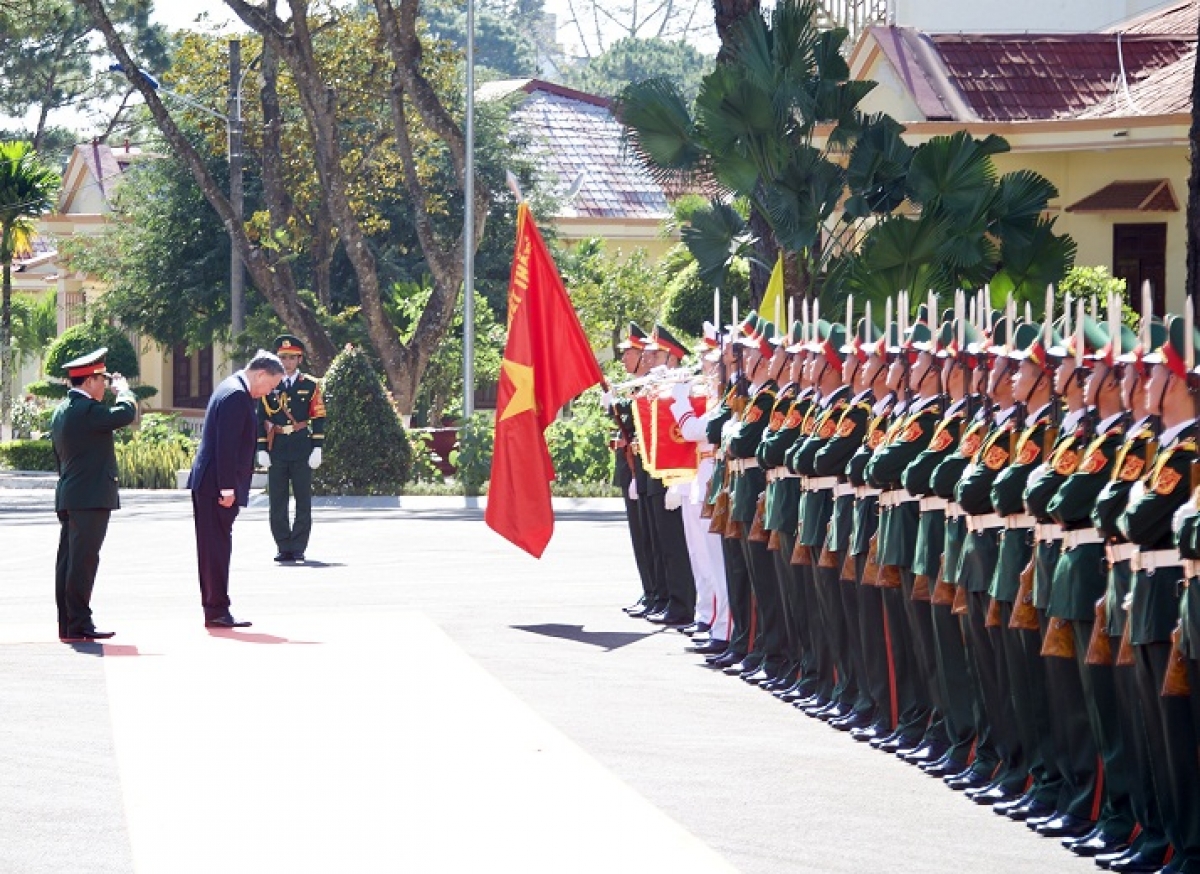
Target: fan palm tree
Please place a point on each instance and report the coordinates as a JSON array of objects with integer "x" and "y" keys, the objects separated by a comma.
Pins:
[{"x": 27, "y": 190}]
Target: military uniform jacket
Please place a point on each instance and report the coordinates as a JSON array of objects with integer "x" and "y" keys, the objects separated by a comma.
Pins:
[
  {"x": 81, "y": 431},
  {"x": 989, "y": 457},
  {"x": 959, "y": 430},
  {"x": 817, "y": 505},
  {"x": 1080, "y": 578},
  {"x": 743, "y": 437},
  {"x": 1132, "y": 459},
  {"x": 782, "y": 431},
  {"x": 622, "y": 411},
  {"x": 908, "y": 437},
  {"x": 1032, "y": 447},
  {"x": 303, "y": 401},
  {"x": 714, "y": 426},
  {"x": 1189, "y": 608},
  {"x": 866, "y": 515},
  {"x": 918, "y": 479},
  {"x": 1154, "y": 606}
]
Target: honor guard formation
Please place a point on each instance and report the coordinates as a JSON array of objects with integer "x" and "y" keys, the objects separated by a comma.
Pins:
[{"x": 968, "y": 541}]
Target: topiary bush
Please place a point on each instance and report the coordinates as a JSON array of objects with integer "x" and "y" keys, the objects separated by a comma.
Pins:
[
  {"x": 366, "y": 449},
  {"x": 690, "y": 299},
  {"x": 152, "y": 464},
  {"x": 579, "y": 445},
  {"x": 80, "y": 340},
  {"x": 473, "y": 458},
  {"x": 27, "y": 455}
]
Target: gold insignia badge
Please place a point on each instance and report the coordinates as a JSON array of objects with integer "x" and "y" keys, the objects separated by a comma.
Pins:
[
  {"x": 942, "y": 438},
  {"x": 1028, "y": 451},
  {"x": 1093, "y": 463},
  {"x": 846, "y": 427},
  {"x": 971, "y": 444},
  {"x": 1066, "y": 462},
  {"x": 911, "y": 432},
  {"x": 1166, "y": 480},
  {"x": 827, "y": 429},
  {"x": 995, "y": 457},
  {"x": 1132, "y": 468}
]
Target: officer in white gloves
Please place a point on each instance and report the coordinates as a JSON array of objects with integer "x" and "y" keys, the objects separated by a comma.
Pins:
[{"x": 291, "y": 425}]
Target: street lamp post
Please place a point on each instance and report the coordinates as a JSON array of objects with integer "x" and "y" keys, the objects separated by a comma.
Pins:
[
  {"x": 469, "y": 227},
  {"x": 233, "y": 124}
]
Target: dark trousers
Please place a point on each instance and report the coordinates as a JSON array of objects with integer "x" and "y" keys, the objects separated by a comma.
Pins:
[
  {"x": 1152, "y": 838},
  {"x": 1073, "y": 756},
  {"x": 741, "y": 596},
  {"x": 296, "y": 476},
  {"x": 847, "y": 690},
  {"x": 1024, "y": 680},
  {"x": 988, "y": 664},
  {"x": 913, "y": 674},
  {"x": 816, "y": 663},
  {"x": 658, "y": 572},
  {"x": 639, "y": 537},
  {"x": 1100, "y": 696},
  {"x": 955, "y": 696},
  {"x": 80, "y": 537},
  {"x": 671, "y": 545},
  {"x": 1171, "y": 738},
  {"x": 771, "y": 638},
  {"x": 848, "y": 594},
  {"x": 872, "y": 636},
  {"x": 795, "y": 600},
  {"x": 214, "y": 548}
]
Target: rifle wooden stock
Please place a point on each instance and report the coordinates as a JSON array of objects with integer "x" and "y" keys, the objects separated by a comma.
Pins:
[
  {"x": 959, "y": 606},
  {"x": 1060, "y": 640},
  {"x": 921, "y": 591},
  {"x": 720, "y": 513},
  {"x": 1175, "y": 683},
  {"x": 758, "y": 529},
  {"x": 871, "y": 570},
  {"x": 773, "y": 542},
  {"x": 1099, "y": 651},
  {"x": 706, "y": 512},
  {"x": 993, "y": 619},
  {"x": 1125, "y": 653},
  {"x": 1024, "y": 615},
  {"x": 889, "y": 577},
  {"x": 829, "y": 558},
  {"x": 802, "y": 554},
  {"x": 735, "y": 530},
  {"x": 845, "y": 567}
]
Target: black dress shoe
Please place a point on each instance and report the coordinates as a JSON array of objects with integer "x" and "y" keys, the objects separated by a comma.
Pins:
[
  {"x": 759, "y": 675},
  {"x": 747, "y": 664},
  {"x": 943, "y": 767},
  {"x": 283, "y": 555},
  {"x": 1065, "y": 826},
  {"x": 668, "y": 619},
  {"x": 1034, "y": 821},
  {"x": 710, "y": 647},
  {"x": 869, "y": 733},
  {"x": 1138, "y": 863},
  {"x": 640, "y": 602},
  {"x": 694, "y": 628},
  {"x": 923, "y": 755},
  {"x": 887, "y": 738},
  {"x": 725, "y": 659},
  {"x": 1096, "y": 844},
  {"x": 993, "y": 795},
  {"x": 87, "y": 634},
  {"x": 1030, "y": 810},
  {"x": 226, "y": 621},
  {"x": 851, "y": 721},
  {"x": 298, "y": 557},
  {"x": 967, "y": 781},
  {"x": 638, "y": 611},
  {"x": 895, "y": 743}
]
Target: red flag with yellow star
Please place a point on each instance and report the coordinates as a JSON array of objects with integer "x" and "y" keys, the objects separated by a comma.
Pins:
[{"x": 547, "y": 362}]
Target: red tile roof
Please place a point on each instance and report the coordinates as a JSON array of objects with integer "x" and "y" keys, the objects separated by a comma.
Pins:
[
  {"x": 1145, "y": 195},
  {"x": 1178, "y": 18},
  {"x": 1164, "y": 92},
  {"x": 1017, "y": 77}
]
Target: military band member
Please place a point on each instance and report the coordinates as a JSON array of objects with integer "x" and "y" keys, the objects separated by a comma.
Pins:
[{"x": 291, "y": 430}]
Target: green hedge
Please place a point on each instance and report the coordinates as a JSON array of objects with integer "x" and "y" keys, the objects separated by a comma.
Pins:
[
  {"x": 27, "y": 455},
  {"x": 145, "y": 464}
]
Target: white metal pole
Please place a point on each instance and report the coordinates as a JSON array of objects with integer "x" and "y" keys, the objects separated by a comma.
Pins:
[{"x": 469, "y": 228}]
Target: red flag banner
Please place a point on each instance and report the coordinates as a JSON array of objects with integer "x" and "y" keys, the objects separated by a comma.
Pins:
[
  {"x": 665, "y": 454},
  {"x": 547, "y": 362}
]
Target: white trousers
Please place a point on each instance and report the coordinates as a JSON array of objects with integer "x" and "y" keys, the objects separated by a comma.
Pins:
[{"x": 704, "y": 552}]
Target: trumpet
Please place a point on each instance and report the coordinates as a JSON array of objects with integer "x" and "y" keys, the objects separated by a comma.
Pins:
[{"x": 660, "y": 376}]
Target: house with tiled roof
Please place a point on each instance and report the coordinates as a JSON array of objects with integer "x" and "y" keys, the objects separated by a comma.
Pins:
[
  {"x": 577, "y": 143},
  {"x": 1103, "y": 115}
]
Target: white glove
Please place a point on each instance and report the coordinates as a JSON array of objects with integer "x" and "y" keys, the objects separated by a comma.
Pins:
[
  {"x": 672, "y": 500},
  {"x": 681, "y": 392},
  {"x": 264, "y": 459},
  {"x": 314, "y": 458},
  {"x": 1135, "y": 493},
  {"x": 1182, "y": 514},
  {"x": 633, "y": 496},
  {"x": 606, "y": 399},
  {"x": 119, "y": 384}
]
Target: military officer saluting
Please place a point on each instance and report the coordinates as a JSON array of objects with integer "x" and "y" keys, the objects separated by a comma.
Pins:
[{"x": 291, "y": 425}]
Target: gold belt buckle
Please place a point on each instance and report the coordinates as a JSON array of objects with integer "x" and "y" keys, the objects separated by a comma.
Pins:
[{"x": 287, "y": 429}]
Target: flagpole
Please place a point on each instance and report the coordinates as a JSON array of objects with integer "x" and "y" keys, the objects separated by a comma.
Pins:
[{"x": 469, "y": 229}]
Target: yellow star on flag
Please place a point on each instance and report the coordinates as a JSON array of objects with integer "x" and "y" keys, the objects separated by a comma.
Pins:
[{"x": 521, "y": 376}]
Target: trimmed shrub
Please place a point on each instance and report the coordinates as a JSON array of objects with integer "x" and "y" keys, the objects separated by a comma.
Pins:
[
  {"x": 151, "y": 464},
  {"x": 80, "y": 340},
  {"x": 366, "y": 451},
  {"x": 579, "y": 445},
  {"x": 473, "y": 458},
  {"x": 27, "y": 455}
]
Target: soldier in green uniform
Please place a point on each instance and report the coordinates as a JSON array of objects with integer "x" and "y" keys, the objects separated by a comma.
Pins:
[
  {"x": 1155, "y": 595},
  {"x": 291, "y": 427},
  {"x": 1133, "y": 458},
  {"x": 1079, "y": 582},
  {"x": 81, "y": 430},
  {"x": 955, "y": 689}
]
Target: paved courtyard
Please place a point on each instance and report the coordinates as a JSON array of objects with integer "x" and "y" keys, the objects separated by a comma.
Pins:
[{"x": 421, "y": 697}]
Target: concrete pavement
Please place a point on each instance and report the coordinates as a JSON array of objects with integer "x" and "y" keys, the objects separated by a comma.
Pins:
[{"x": 422, "y": 697}]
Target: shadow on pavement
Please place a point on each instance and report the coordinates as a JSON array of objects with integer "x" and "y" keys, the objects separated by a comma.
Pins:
[
  {"x": 255, "y": 637},
  {"x": 608, "y": 640}
]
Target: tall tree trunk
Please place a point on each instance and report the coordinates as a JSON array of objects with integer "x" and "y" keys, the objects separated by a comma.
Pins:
[
  {"x": 277, "y": 285},
  {"x": 726, "y": 14}
]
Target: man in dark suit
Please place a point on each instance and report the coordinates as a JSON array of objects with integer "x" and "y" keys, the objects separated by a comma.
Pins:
[
  {"x": 82, "y": 433},
  {"x": 220, "y": 477}
]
